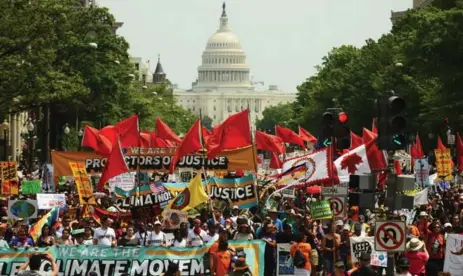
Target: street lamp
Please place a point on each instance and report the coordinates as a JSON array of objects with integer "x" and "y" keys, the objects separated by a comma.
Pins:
[
  {"x": 66, "y": 129},
  {"x": 93, "y": 45},
  {"x": 80, "y": 134},
  {"x": 399, "y": 64},
  {"x": 30, "y": 143},
  {"x": 5, "y": 127}
]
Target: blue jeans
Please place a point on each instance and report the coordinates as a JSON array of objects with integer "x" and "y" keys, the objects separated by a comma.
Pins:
[{"x": 329, "y": 265}]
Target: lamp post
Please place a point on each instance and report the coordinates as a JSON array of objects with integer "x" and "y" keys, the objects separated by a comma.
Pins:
[
  {"x": 5, "y": 127},
  {"x": 80, "y": 134},
  {"x": 66, "y": 132},
  {"x": 30, "y": 146}
]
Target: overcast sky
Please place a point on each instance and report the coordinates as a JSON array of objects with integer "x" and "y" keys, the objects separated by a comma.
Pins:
[{"x": 283, "y": 40}]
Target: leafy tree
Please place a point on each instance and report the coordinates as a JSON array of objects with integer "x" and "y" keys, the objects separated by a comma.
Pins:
[{"x": 281, "y": 114}]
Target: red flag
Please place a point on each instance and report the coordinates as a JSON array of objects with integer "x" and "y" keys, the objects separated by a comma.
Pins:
[
  {"x": 233, "y": 133},
  {"x": 269, "y": 142},
  {"x": 306, "y": 136},
  {"x": 110, "y": 133},
  {"x": 145, "y": 137},
  {"x": 115, "y": 165},
  {"x": 206, "y": 133},
  {"x": 397, "y": 167},
  {"x": 440, "y": 145},
  {"x": 190, "y": 143},
  {"x": 416, "y": 151},
  {"x": 93, "y": 139},
  {"x": 289, "y": 136},
  {"x": 157, "y": 142},
  {"x": 355, "y": 141},
  {"x": 275, "y": 162},
  {"x": 367, "y": 136},
  {"x": 163, "y": 131},
  {"x": 459, "y": 145},
  {"x": 373, "y": 126},
  {"x": 128, "y": 132}
]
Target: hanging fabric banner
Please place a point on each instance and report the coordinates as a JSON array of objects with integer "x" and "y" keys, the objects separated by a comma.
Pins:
[
  {"x": 10, "y": 185},
  {"x": 239, "y": 191},
  {"x": 83, "y": 185},
  {"x": 444, "y": 164}
]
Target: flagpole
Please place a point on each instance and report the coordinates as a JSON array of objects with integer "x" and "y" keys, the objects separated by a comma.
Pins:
[
  {"x": 203, "y": 152},
  {"x": 252, "y": 143}
]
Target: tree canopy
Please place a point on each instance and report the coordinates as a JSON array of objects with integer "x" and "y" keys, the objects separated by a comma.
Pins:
[
  {"x": 420, "y": 60},
  {"x": 58, "y": 54}
]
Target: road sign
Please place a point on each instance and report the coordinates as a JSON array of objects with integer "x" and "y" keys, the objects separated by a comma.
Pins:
[
  {"x": 336, "y": 190},
  {"x": 390, "y": 236},
  {"x": 338, "y": 205}
]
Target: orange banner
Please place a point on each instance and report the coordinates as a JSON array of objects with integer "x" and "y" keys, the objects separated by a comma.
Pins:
[
  {"x": 10, "y": 184},
  {"x": 444, "y": 164},
  {"x": 155, "y": 160},
  {"x": 84, "y": 188}
]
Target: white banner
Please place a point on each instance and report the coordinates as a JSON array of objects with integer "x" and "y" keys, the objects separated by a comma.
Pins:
[
  {"x": 285, "y": 265},
  {"x": 125, "y": 181},
  {"x": 454, "y": 255},
  {"x": 48, "y": 201},
  {"x": 359, "y": 245}
]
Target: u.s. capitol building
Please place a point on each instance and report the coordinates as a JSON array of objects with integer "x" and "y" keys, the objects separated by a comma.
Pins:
[{"x": 223, "y": 86}]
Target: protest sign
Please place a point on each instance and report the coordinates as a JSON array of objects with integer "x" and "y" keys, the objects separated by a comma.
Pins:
[
  {"x": 48, "y": 201},
  {"x": 155, "y": 159},
  {"x": 125, "y": 181},
  {"x": 141, "y": 196},
  {"x": 24, "y": 209},
  {"x": 9, "y": 175},
  {"x": 83, "y": 186},
  {"x": 80, "y": 260},
  {"x": 285, "y": 265},
  {"x": 240, "y": 191},
  {"x": 444, "y": 164},
  {"x": 359, "y": 245},
  {"x": 454, "y": 255},
  {"x": 321, "y": 210},
  {"x": 173, "y": 218},
  {"x": 422, "y": 172},
  {"x": 31, "y": 187}
]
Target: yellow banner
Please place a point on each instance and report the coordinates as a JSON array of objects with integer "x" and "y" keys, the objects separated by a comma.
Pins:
[
  {"x": 9, "y": 175},
  {"x": 444, "y": 164},
  {"x": 83, "y": 185}
]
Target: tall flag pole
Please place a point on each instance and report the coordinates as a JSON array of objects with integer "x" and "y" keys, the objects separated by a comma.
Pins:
[
  {"x": 203, "y": 170},
  {"x": 254, "y": 156}
]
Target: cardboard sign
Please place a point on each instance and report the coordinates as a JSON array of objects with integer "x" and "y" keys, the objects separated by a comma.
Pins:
[
  {"x": 9, "y": 174},
  {"x": 83, "y": 185},
  {"x": 444, "y": 164},
  {"x": 48, "y": 201},
  {"x": 173, "y": 218},
  {"x": 22, "y": 209},
  {"x": 320, "y": 210}
]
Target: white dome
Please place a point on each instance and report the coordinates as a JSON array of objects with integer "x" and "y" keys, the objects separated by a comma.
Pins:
[{"x": 224, "y": 40}]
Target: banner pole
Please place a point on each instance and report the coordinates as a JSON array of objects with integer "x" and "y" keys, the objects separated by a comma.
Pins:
[{"x": 203, "y": 152}]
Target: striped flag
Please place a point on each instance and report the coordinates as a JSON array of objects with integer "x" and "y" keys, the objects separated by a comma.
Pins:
[
  {"x": 157, "y": 187},
  {"x": 49, "y": 219}
]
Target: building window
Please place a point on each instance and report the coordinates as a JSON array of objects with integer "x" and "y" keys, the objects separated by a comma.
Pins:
[
  {"x": 214, "y": 108},
  {"x": 229, "y": 108},
  {"x": 214, "y": 101},
  {"x": 237, "y": 108},
  {"x": 193, "y": 101},
  {"x": 194, "y": 108},
  {"x": 214, "y": 117}
]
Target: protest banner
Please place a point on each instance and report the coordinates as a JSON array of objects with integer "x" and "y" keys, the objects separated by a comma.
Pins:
[
  {"x": 320, "y": 210},
  {"x": 48, "y": 201},
  {"x": 422, "y": 172},
  {"x": 444, "y": 164},
  {"x": 454, "y": 255},
  {"x": 83, "y": 185},
  {"x": 152, "y": 159},
  {"x": 177, "y": 187},
  {"x": 359, "y": 245},
  {"x": 141, "y": 196},
  {"x": 31, "y": 187},
  {"x": 285, "y": 265},
  {"x": 9, "y": 173},
  {"x": 240, "y": 191},
  {"x": 80, "y": 260},
  {"x": 22, "y": 209}
]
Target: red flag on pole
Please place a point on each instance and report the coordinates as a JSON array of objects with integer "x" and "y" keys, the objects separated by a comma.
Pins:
[
  {"x": 163, "y": 131},
  {"x": 289, "y": 136},
  {"x": 306, "y": 136},
  {"x": 115, "y": 165},
  {"x": 190, "y": 143},
  {"x": 269, "y": 142}
]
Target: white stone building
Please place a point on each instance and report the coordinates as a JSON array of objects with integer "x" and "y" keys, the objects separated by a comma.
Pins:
[{"x": 223, "y": 86}]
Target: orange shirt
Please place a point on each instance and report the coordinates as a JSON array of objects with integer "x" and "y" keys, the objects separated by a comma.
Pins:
[
  {"x": 214, "y": 248},
  {"x": 222, "y": 262},
  {"x": 305, "y": 250}
]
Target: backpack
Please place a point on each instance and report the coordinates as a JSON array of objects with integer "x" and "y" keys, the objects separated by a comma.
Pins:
[{"x": 299, "y": 259}]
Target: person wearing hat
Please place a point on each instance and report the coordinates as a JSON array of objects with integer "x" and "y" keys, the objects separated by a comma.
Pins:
[
  {"x": 273, "y": 213},
  {"x": 416, "y": 253},
  {"x": 402, "y": 267},
  {"x": 158, "y": 238},
  {"x": 365, "y": 268},
  {"x": 235, "y": 215},
  {"x": 339, "y": 269}
]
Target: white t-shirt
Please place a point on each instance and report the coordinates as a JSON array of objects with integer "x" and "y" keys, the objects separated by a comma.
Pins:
[
  {"x": 104, "y": 236},
  {"x": 182, "y": 243},
  {"x": 143, "y": 237},
  {"x": 209, "y": 238},
  {"x": 196, "y": 240},
  {"x": 158, "y": 239}
]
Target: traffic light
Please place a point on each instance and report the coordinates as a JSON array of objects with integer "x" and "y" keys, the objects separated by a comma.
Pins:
[
  {"x": 327, "y": 131},
  {"x": 391, "y": 123},
  {"x": 343, "y": 132}
]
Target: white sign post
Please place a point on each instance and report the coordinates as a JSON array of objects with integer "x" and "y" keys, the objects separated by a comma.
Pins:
[{"x": 390, "y": 236}]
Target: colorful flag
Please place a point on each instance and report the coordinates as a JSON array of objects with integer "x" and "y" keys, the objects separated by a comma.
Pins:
[
  {"x": 191, "y": 196},
  {"x": 306, "y": 136},
  {"x": 275, "y": 162},
  {"x": 269, "y": 142},
  {"x": 368, "y": 135},
  {"x": 157, "y": 187},
  {"x": 190, "y": 143},
  {"x": 49, "y": 219},
  {"x": 163, "y": 131},
  {"x": 289, "y": 136},
  {"x": 115, "y": 165},
  {"x": 96, "y": 141}
]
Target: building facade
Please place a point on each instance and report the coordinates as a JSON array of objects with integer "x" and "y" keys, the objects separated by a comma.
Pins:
[
  {"x": 222, "y": 87},
  {"x": 416, "y": 5}
]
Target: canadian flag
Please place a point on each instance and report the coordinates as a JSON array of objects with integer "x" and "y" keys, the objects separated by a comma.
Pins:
[{"x": 360, "y": 160}]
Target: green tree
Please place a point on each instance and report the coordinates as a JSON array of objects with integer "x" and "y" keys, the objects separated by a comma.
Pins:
[{"x": 281, "y": 114}]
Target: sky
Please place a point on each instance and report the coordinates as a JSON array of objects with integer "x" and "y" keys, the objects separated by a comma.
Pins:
[{"x": 283, "y": 40}]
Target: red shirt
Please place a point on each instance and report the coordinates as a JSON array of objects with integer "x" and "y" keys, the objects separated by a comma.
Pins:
[
  {"x": 436, "y": 246},
  {"x": 417, "y": 261}
]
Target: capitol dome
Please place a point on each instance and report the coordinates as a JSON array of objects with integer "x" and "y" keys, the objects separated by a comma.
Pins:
[{"x": 223, "y": 62}]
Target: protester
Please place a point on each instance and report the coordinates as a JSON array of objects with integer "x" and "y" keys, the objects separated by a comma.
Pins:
[
  {"x": 34, "y": 263},
  {"x": 105, "y": 235}
]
